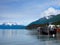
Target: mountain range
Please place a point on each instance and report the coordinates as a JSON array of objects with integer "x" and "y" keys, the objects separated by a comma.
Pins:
[
  {"x": 4, "y": 26},
  {"x": 53, "y": 19}
]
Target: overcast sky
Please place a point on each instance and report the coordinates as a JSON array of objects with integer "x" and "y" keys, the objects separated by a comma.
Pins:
[{"x": 27, "y": 11}]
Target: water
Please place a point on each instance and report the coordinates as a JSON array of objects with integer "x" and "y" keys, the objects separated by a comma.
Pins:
[{"x": 25, "y": 37}]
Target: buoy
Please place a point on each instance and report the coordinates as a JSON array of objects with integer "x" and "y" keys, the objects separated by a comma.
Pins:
[{"x": 53, "y": 35}]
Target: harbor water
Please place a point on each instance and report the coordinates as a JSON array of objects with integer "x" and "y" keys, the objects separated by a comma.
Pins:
[{"x": 25, "y": 37}]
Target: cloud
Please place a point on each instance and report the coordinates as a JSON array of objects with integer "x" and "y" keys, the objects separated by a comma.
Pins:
[
  {"x": 50, "y": 11},
  {"x": 26, "y": 11}
]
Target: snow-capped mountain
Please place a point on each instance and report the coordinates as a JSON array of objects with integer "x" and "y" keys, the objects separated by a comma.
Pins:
[
  {"x": 11, "y": 26},
  {"x": 45, "y": 20}
]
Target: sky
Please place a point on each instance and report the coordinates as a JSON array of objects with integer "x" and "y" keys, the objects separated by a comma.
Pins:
[{"x": 24, "y": 12}]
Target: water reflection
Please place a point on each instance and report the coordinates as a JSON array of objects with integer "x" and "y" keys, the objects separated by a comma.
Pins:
[
  {"x": 26, "y": 37},
  {"x": 45, "y": 38}
]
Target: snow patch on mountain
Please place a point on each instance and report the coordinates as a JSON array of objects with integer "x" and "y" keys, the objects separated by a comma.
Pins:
[{"x": 50, "y": 11}]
